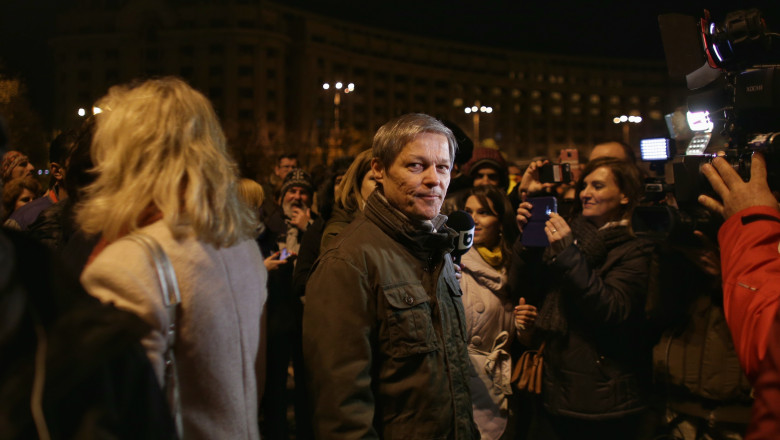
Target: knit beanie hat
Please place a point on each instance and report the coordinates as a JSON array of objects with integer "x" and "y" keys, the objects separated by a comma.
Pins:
[
  {"x": 10, "y": 160},
  {"x": 296, "y": 177},
  {"x": 491, "y": 157}
]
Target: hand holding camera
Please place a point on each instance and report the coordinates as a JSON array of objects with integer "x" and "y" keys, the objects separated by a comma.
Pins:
[
  {"x": 558, "y": 233},
  {"x": 735, "y": 193}
]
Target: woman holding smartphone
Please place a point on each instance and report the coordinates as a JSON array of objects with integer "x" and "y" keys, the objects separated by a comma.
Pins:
[
  {"x": 489, "y": 309},
  {"x": 590, "y": 285}
]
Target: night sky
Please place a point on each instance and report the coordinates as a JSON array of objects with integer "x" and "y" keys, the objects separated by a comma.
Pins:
[{"x": 610, "y": 28}]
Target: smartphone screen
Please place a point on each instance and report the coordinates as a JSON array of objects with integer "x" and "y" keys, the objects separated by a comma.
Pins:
[
  {"x": 533, "y": 232},
  {"x": 284, "y": 254}
]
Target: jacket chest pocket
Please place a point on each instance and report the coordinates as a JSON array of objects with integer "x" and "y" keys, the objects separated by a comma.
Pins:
[{"x": 409, "y": 320}]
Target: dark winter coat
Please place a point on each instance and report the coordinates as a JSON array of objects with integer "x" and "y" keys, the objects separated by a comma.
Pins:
[
  {"x": 384, "y": 332},
  {"x": 597, "y": 355}
]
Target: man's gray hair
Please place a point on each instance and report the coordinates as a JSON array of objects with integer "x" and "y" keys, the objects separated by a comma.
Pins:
[{"x": 392, "y": 137}]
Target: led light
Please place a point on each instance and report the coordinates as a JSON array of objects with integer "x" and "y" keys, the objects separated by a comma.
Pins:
[
  {"x": 623, "y": 118},
  {"x": 637, "y": 119},
  {"x": 489, "y": 110},
  {"x": 82, "y": 112},
  {"x": 339, "y": 85},
  {"x": 717, "y": 52},
  {"x": 712, "y": 28},
  {"x": 326, "y": 86},
  {"x": 700, "y": 121},
  {"x": 96, "y": 110},
  {"x": 468, "y": 110},
  {"x": 654, "y": 149},
  {"x": 474, "y": 108}
]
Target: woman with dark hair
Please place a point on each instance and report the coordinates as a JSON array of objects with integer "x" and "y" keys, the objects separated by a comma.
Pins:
[
  {"x": 590, "y": 285},
  {"x": 489, "y": 309}
]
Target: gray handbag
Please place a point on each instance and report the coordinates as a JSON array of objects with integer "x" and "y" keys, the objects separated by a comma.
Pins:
[{"x": 169, "y": 286}]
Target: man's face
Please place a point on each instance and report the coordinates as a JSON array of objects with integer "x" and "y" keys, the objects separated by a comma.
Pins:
[
  {"x": 296, "y": 196},
  {"x": 486, "y": 176},
  {"x": 285, "y": 166},
  {"x": 417, "y": 181},
  {"x": 22, "y": 169},
  {"x": 610, "y": 149}
]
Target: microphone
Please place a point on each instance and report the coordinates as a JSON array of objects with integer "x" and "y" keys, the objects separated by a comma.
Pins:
[{"x": 463, "y": 224}]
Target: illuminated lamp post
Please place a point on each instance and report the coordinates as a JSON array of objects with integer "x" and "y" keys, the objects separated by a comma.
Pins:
[
  {"x": 626, "y": 121},
  {"x": 337, "y": 87},
  {"x": 474, "y": 111}
]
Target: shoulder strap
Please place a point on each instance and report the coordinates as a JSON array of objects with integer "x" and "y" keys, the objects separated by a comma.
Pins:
[{"x": 169, "y": 287}]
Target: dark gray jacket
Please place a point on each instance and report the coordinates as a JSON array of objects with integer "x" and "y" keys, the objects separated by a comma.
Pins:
[{"x": 384, "y": 333}]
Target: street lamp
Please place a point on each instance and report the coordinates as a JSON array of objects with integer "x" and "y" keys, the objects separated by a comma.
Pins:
[
  {"x": 338, "y": 86},
  {"x": 475, "y": 110},
  {"x": 626, "y": 121}
]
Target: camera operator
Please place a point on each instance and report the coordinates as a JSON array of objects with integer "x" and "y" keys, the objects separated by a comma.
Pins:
[{"x": 751, "y": 280}]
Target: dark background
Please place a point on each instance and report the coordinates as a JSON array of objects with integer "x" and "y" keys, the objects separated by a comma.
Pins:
[{"x": 605, "y": 28}]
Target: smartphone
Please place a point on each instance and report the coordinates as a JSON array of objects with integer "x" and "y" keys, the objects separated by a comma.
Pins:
[
  {"x": 555, "y": 173},
  {"x": 570, "y": 156},
  {"x": 284, "y": 254},
  {"x": 533, "y": 232}
]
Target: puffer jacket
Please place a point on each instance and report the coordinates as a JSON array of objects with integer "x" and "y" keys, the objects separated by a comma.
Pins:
[{"x": 384, "y": 332}]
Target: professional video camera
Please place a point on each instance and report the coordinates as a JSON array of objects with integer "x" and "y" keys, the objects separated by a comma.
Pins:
[{"x": 733, "y": 68}]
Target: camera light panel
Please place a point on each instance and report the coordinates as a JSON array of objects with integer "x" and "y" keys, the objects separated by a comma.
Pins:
[{"x": 654, "y": 149}]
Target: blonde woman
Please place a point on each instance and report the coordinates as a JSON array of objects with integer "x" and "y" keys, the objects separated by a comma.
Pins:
[{"x": 163, "y": 169}]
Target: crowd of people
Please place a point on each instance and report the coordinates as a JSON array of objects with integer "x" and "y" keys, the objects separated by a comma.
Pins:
[{"x": 153, "y": 292}]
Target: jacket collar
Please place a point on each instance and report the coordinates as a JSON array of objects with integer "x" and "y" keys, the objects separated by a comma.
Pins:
[{"x": 425, "y": 240}]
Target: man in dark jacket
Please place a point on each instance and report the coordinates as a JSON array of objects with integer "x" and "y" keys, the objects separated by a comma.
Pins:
[{"x": 384, "y": 330}]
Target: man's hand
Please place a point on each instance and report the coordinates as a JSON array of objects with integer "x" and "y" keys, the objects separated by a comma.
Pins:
[
  {"x": 300, "y": 218},
  {"x": 736, "y": 194},
  {"x": 531, "y": 183}
]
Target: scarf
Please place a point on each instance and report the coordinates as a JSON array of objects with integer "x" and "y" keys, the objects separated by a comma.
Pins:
[{"x": 494, "y": 257}]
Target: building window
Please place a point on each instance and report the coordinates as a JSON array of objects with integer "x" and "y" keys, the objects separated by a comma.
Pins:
[
  {"x": 246, "y": 49},
  {"x": 246, "y": 92},
  {"x": 595, "y": 99},
  {"x": 215, "y": 92},
  {"x": 246, "y": 70},
  {"x": 186, "y": 51},
  {"x": 216, "y": 71},
  {"x": 216, "y": 49},
  {"x": 246, "y": 114}
]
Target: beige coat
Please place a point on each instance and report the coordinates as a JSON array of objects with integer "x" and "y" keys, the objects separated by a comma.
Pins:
[
  {"x": 490, "y": 328},
  {"x": 218, "y": 347}
]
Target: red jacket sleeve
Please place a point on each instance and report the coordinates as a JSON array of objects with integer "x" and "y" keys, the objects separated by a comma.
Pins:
[{"x": 750, "y": 257}]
